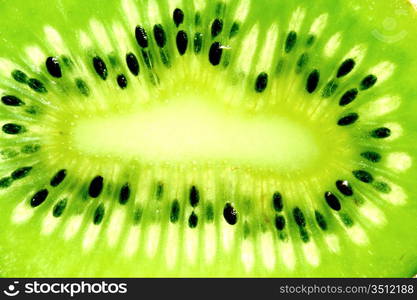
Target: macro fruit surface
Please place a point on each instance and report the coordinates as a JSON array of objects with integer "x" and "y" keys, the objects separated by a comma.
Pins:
[{"x": 208, "y": 138}]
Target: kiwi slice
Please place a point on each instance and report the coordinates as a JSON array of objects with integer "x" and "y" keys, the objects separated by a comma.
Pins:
[{"x": 208, "y": 138}]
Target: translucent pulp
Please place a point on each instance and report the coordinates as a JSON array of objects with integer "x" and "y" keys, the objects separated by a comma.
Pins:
[{"x": 189, "y": 130}]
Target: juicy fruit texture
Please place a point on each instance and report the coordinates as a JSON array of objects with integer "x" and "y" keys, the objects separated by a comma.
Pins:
[{"x": 208, "y": 138}]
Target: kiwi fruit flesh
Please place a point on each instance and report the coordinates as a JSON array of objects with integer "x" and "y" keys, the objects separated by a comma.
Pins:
[{"x": 208, "y": 138}]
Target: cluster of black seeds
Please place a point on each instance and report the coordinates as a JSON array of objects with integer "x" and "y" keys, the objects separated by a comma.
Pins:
[{"x": 184, "y": 42}]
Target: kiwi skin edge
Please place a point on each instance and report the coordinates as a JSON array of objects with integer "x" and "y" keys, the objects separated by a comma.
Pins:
[{"x": 86, "y": 220}]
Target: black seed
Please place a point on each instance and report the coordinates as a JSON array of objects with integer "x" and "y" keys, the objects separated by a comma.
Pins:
[
  {"x": 261, "y": 82},
  {"x": 363, "y": 176},
  {"x": 344, "y": 187},
  {"x": 58, "y": 178},
  {"x": 371, "y": 156},
  {"x": 147, "y": 58},
  {"x": 182, "y": 41},
  {"x": 381, "y": 133},
  {"x": 19, "y": 76},
  {"x": 368, "y": 82},
  {"x": 132, "y": 63},
  {"x": 382, "y": 187},
  {"x": 5, "y": 182},
  {"x": 216, "y": 27},
  {"x": 332, "y": 201},
  {"x": 12, "y": 101},
  {"x": 122, "y": 81},
  {"x": 175, "y": 211},
  {"x": 194, "y": 196},
  {"x": 36, "y": 85},
  {"x": 124, "y": 194},
  {"x": 312, "y": 81},
  {"x": 11, "y": 128},
  {"x": 348, "y": 119},
  {"x": 21, "y": 173},
  {"x": 321, "y": 221},
  {"x": 299, "y": 217},
  {"x": 197, "y": 19},
  {"x": 290, "y": 42},
  {"x": 198, "y": 42},
  {"x": 96, "y": 186},
  {"x": 98, "y": 214},
  {"x": 279, "y": 222},
  {"x": 178, "y": 17},
  {"x": 234, "y": 30},
  {"x": 215, "y": 53},
  {"x": 230, "y": 214},
  {"x": 159, "y": 190},
  {"x": 330, "y": 89},
  {"x": 209, "y": 213},
  {"x": 303, "y": 234},
  {"x": 277, "y": 201},
  {"x": 346, "y": 67},
  {"x": 348, "y": 97},
  {"x": 39, "y": 197},
  {"x": 59, "y": 208},
  {"x": 193, "y": 220},
  {"x": 159, "y": 34},
  {"x": 53, "y": 67},
  {"x": 137, "y": 215},
  {"x": 301, "y": 62},
  {"x": 100, "y": 67},
  {"x": 141, "y": 37}
]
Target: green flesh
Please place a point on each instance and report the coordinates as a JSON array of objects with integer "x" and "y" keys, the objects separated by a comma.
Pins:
[{"x": 193, "y": 156}]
